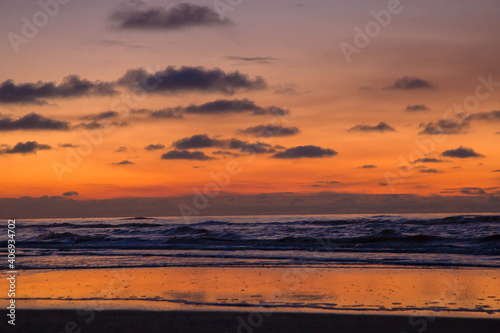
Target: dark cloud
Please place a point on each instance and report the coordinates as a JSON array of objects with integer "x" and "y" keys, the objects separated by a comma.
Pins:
[
  {"x": 369, "y": 166},
  {"x": 249, "y": 148},
  {"x": 489, "y": 116},
  {"x": 36, "y": 93},
  {"x": 31, "y": 121},
  {"x": 459, "y": 124},
  {"x": 411, "y": 83},
  {"x": 305, "y": 152},
  {"x": 224, "y": 204},
  {"x": 467, "y": 190},
  {"x": 29, "y": 147},
  {"x": 166, "y": 114},
  {"x": 126, "y": 162},
  {"x": 269, "y": 131},
  {"x": 196, "y": 141},
  {"x": 225, "y": 153},
  {"x": 153, "y": 147},
  {"x": 496, "y": 171},
  {"x": 121, "y": 149},
  {"x": 260, "y": 60},
  {"x": 428, "y": 160},
  {"x": 70, "y": 194},
  {"x": 101, "y": 124},
  {"x": 381, "y": 127},
  {"x": 68, "y": 145},
  {"x": 204, "y": 141},
  {"x": 224, "y": 106},
  {"x": 174, "y": 80},
  {"x": 446, "y": 126},
  {"x": 461, "y": 152},
  {"x": 430, "y": 171},
  {"x": 100, "y": 116},
  {"x": 180, "y": 16},
  {"x": 185, "y": 155},
  {"x": 472, "y": 191},
  {"x": 417, "y": 108}
]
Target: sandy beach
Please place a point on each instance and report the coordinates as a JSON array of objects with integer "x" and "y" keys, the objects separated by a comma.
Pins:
[{"x": 260, "y": 299}]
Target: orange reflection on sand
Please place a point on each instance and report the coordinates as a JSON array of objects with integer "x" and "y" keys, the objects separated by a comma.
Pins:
[{"x": 436, "y": 292}]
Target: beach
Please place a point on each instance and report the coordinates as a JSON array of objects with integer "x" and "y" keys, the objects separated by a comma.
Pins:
[
  {"x": 294, "y": 299},
  {"x": 321, "y": 273}
]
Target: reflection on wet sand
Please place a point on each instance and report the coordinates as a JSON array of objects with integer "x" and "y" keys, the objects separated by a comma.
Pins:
[{"x": 437, "y": 292}]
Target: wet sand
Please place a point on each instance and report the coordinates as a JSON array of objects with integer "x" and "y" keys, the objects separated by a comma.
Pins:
[{"x": 258, "y": 299}]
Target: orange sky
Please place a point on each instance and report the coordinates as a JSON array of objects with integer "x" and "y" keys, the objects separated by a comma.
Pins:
[{"x": 447, "y": 46}]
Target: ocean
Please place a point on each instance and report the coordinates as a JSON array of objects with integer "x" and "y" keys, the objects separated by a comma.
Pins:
[{"x": 436, "y": 240}]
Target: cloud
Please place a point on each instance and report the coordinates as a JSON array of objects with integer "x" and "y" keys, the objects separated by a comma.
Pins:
[
  {"x": 472, "y": 191},
  {"x": 305, "y": 152},
  {"x": 411, "y": 83},
  {"x": 286, "y": 89},
  {"x": 369, "y": 166},
  {"x": 430, "y": 171},
  {"x": 121, "y": 149},
  {"x": 118, "y": 43},
  {"x": 166, "y": 114},
  {"x": 36, "y": 93},
  {"x": 467, "y": 190},
  {"x": 126, "y": 162},
  {"x": 225, "y": 204},
  {"x": 174, "y": 80},
  {"x": 180, "y": 16},
  {"x": 100, "y": 116},
  {"x": 417, "y": 108},
  {"x": 259, "y": 60},
  {"x": 269, "y": 131},
  {"x": 461, "y": 152},
  {"x": 25, "y": 148},
  {"x": 70, "y": 194},
  {"x": 196, "y": 141},
  {"x": 101, "y": 124},
  {"x": 204, "y": 141},
  {"x": 381, "y": 127},
  {"x": 153, "y": 147},
  {"x": 224, "y": 106},
  {"x": 185, "y": 155},
  {"x": 225, "y": 153},
  {"x": 488, "y": 116},
  {"x": 428, "y": 160},
  {"x": 459, "y": 124},
  {"x": 31, "y": 121},
  {"x": 495, "y": 171},
  {"x": 68, "y": 145},
  {"x": 446, "y": 126},
  {"x": 251, "y": 148}
]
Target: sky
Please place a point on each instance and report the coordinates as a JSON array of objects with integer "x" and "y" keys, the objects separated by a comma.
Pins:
[{"x": 104, "y": 100}]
